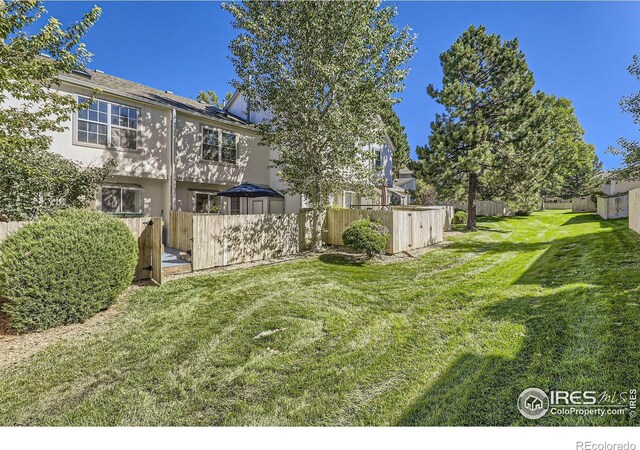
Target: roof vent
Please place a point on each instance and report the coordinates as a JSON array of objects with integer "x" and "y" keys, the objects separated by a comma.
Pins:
[
  {"x": 99, "y": 71},
  {"x": 168, "y": 92}
]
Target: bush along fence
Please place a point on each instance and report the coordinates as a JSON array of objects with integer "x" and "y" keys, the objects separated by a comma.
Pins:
[
  {"x": 146, "y": 230},
  {"x": 614, "y": 207},
  {"x": 634, "y": 210},
  {"x": 409, "y": 228},
  {"x": 583, "y": 204}
]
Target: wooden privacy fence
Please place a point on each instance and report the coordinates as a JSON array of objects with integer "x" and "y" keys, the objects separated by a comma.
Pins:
[
  {"x": 634, "y": 210},
  {"x": 484, "y": 208},
  {"x": 583, "y": 204},
  {"x": 147, "y": 231},
  {"x": 448, "y": 212},
  {"x": 557, "y": 205},
  {"x": 409, "y": 228},
  {"x": 219, "y": 240},
  {"x": 6, "y": 228},
  {"x": 613, "y": 207},
  {"x": 180, "y": 230}
]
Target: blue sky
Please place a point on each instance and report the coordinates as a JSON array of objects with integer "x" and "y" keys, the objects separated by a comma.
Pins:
[{"x": 576, "y": 50}]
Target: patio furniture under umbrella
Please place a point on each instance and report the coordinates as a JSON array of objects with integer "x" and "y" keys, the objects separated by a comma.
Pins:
[{"x": 247, "y": 190}]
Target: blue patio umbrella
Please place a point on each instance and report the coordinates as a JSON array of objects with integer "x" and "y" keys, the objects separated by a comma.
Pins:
[{"x": 250, "y": 190}]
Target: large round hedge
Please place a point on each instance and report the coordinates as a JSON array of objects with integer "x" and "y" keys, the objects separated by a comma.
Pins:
[{"x": 64, "y": 268}]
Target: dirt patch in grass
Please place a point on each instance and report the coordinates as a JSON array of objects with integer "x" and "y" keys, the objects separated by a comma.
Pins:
[{"x": 16, "y": 347}]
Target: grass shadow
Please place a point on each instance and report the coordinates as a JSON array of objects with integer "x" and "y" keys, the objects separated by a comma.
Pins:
[
  {"x": 570, "y": 342},
  {"x": 584, "y": 218}
]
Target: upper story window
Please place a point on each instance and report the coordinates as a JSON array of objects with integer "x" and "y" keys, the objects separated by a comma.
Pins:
[
  {"x": 219, "y": 145},
  {"x": 377, "y": 157},
  {"x": 108, "y": 124}
]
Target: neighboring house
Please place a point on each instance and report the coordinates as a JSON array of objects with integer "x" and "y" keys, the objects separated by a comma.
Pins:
[
  {"x": 172, "y": 152},
  {"x": 613, "y": 187},
  {"x": 406, "y": 182}
]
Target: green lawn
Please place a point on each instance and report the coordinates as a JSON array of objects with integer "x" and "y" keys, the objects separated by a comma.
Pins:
[{"x": 451, "y": 338}]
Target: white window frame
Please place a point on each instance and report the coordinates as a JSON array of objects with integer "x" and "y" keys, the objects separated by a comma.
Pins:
[
  {"x": 109, "y": 125},
  {"x": 377, "y": 159},
  {"x": 122, "y": 188},
  {"x": 220, "y": 134}
]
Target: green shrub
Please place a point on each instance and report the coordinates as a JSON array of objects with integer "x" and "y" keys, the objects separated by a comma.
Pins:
[
  {"x": 64, "y": 268},
  {"x": 366, "y": 236},
  {"x": 460, "y": 217}
]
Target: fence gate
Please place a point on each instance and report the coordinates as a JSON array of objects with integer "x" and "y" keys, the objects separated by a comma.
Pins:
[{"x": 148, "y": 232}]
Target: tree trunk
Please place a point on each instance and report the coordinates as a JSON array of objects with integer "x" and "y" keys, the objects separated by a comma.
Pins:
[
  {"x": 471, "y": 202},
  {"x": 317, "y": 217}
]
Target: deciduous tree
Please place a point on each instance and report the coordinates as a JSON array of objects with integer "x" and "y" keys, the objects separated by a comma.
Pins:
[
  {"x": 323, "y": 71},
  {"x": 34, "y": 181}
]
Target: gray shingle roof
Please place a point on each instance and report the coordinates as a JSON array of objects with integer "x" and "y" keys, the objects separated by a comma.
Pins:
[
  {"x": 145, "y": 93},
  {"x": 406, "y": 171}
]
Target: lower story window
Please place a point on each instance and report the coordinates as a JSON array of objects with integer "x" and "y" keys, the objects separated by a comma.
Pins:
[
  {"x": 207, "y": 202},
  {"x": 121, "y": 200},
  {"x": 395, "y": 199},
  {"x": 349, "y": 199}
]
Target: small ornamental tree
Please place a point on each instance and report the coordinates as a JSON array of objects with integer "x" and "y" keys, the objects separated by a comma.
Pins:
[
  {"x": 34, "y": 181},
  {"x": 324, "y": 71},
  {"x": 424, "y": 194}
]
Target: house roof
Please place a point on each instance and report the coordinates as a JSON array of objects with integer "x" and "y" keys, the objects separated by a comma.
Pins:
[
  {"x": 405, "y": 171},
  {"x": 144, "y": 93},
  {"x": 403, "y": 181}
]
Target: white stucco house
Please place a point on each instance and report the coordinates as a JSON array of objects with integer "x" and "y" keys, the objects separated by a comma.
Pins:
[
  {"x": 612, "y": 187},
  {"x": 175, "y": 153}
]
